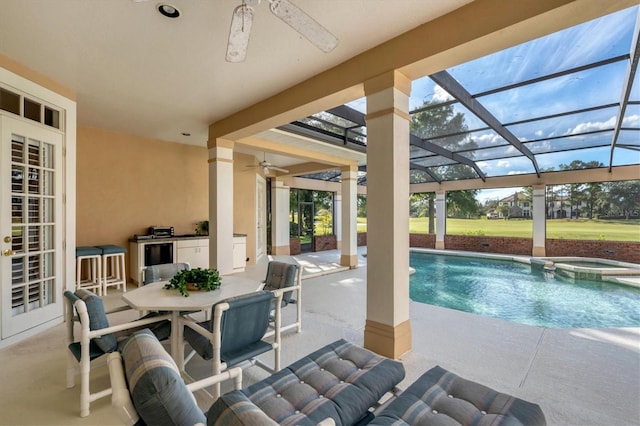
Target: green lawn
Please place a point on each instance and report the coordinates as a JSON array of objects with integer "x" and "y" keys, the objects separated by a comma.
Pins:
[{"x": 581, "y": 229}]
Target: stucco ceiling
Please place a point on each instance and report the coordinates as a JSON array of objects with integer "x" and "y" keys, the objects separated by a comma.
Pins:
[{"x": 138, "y": 72}]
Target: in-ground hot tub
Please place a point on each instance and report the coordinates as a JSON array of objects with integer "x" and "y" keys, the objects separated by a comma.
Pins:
[{"x": 588, "y": 268}]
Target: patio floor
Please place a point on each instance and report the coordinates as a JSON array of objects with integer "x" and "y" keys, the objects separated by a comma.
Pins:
[{"x": 578, "y": 376}]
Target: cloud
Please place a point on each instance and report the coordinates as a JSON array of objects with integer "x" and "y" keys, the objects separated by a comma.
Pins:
[
  {"x": 488, "y": 138},
  {"x": 538, "y": 133},
  {"x": 503, "y": 163},
  {"x": 592, "y": 126},
  {"x": 518, "y": 172},
  {"x": 631, "y": 121},
  {"x": 440, "y": 95}
]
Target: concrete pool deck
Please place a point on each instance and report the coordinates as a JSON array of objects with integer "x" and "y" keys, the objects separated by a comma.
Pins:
[{"x": 578, "y": 376}]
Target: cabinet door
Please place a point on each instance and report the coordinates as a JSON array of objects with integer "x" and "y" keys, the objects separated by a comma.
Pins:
[
  {"x": 239, "y": 253},
  {"x": 194, "y": 252}
]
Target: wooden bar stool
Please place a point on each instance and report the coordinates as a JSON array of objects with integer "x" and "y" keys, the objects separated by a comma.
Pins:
[
  {"x": 89, "y": 269},
  {"x": 113, "y": 269}
]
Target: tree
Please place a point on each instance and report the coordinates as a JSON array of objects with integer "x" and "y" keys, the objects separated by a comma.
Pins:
[
  {"x": 579, "y": 193},
  {"x": 504, "y": 210},
  {"x": 462, "y": 203},
  {"x": 325, "y": 218},
  {"x": 418, "y": 204},
  {"x": 433, "y": 121},
  {"x": 362, "y": 205},
  {"x": 626, "y": 196},
  {"x": 594, "y": 197}
]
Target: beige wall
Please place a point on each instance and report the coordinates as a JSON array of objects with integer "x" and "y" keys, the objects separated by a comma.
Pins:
[
  {"x": 127, "y": 183},
  {"x": 244, "y": 201}
]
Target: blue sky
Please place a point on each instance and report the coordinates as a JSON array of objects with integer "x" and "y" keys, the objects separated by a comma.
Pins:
[{"x": 593, "y": 41}]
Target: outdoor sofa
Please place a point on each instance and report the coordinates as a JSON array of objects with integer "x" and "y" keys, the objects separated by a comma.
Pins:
[{"x": 339, "y": 384}]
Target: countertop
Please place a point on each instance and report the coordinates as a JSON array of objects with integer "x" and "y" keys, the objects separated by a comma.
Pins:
[{"x": 175, "y": 238}]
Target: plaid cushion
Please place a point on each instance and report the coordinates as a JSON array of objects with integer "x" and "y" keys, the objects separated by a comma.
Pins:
[
  {"x": 440, "y": 397},
  {"x": 157, "y": 390},
  {"x": 339, "y": 381}
]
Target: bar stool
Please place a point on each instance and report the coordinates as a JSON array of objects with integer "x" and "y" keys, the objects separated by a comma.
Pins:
[
  {"x": 113, "y": 269},
  {"x": 91, "y": 277}
]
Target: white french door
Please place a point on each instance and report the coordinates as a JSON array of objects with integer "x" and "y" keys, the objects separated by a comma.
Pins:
[
  {"x": 261, "y": 217},
  {"x": 31, "y": 247}
]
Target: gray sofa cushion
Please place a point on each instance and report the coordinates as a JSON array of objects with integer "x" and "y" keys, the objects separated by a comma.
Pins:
[
  {"x": 339, "y": 381},
  {"x": 157, "y": 390},
  {"x": 439, "y": 397}
]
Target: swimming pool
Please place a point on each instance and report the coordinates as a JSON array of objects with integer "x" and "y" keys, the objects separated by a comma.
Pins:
[{"x": 512, "y": 291}]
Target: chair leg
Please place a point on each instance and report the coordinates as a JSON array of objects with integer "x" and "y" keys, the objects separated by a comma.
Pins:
[
  {"x": 71, "y": 370},
  {"x": 85, "y": 394}
]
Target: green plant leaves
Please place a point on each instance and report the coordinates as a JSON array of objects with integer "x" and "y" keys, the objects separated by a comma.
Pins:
[{"x": 200, "y": 278}]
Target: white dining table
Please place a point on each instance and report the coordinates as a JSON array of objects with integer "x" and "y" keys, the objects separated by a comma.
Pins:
[{"x": 154, "y": 297}]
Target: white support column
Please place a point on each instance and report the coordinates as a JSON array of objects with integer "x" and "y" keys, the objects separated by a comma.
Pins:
[
  {"x": 441, "y": 218},
  {"x": 279, "y": 217},
  {"x": 539, "y": 221},
  {"x": 337, "y": 218},
  {"x": 388, "y": 329},
  {"x": 221, "y": 206},
  {"x": 349, "y": 225}
]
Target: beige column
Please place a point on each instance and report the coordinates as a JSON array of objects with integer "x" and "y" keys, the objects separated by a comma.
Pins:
[
  {"x": 349, "y": 226},
  {"x": 441, "y": 218},
  {"x": 221, "y": 205},
  {"x": 387, "y": 329},
  {"x": 539, "y": 209},
  {"x": 279, "y": 217}
]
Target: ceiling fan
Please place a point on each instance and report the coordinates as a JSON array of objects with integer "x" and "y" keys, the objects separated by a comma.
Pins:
[
  {"x": 296, "y": 18},
  {"x": 242, "y": 20},
  {"x": 267, "y": 166}
]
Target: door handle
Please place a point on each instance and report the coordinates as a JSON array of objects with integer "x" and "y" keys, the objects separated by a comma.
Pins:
[{"x": 8, "y": 253}]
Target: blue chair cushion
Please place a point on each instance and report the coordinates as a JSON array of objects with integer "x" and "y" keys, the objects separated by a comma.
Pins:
[
  {"x": 111, "y": 249},
  {"x": 162, "y": 272},
  {"x": 97, "y": 319},
  {"x": 88, "y": 251},
  {"x": 281, "y": 275},
  {"x": 157, "y": 390},
  {"x": 243, "y": 327},
  {"x": 440, "y": 397},
  {"x": 340, "y": 380}
]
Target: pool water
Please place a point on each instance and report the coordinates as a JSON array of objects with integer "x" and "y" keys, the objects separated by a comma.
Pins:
[{"x": 511, "y": 291}]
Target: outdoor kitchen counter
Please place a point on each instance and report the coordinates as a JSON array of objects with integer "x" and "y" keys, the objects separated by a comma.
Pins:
[{"x": 190, "y": 248}]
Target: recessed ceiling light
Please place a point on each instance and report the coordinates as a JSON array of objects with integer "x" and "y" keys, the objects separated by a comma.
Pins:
[
  {"x": 168, "y": 10},
  {"x": 185, "y": 134}
]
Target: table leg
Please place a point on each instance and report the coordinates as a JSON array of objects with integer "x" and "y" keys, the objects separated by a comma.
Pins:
[{"x": 177, "y": 353}]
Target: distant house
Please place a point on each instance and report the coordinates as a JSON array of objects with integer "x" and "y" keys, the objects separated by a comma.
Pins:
[
  {"x": 560, "y": 207},
  {"x": 518, "y": 205}
]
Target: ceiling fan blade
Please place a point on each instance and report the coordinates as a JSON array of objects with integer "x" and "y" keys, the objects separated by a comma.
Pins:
[
  {"x": 279, "y": 169},
  {"x": 304, "y": 24},
  {"x": 239, "y": 33}
]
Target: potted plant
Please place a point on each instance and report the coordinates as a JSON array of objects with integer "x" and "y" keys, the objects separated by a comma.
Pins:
[
  {"x": 195, "y": 279},
  {"x": 202, "y": 228}
]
